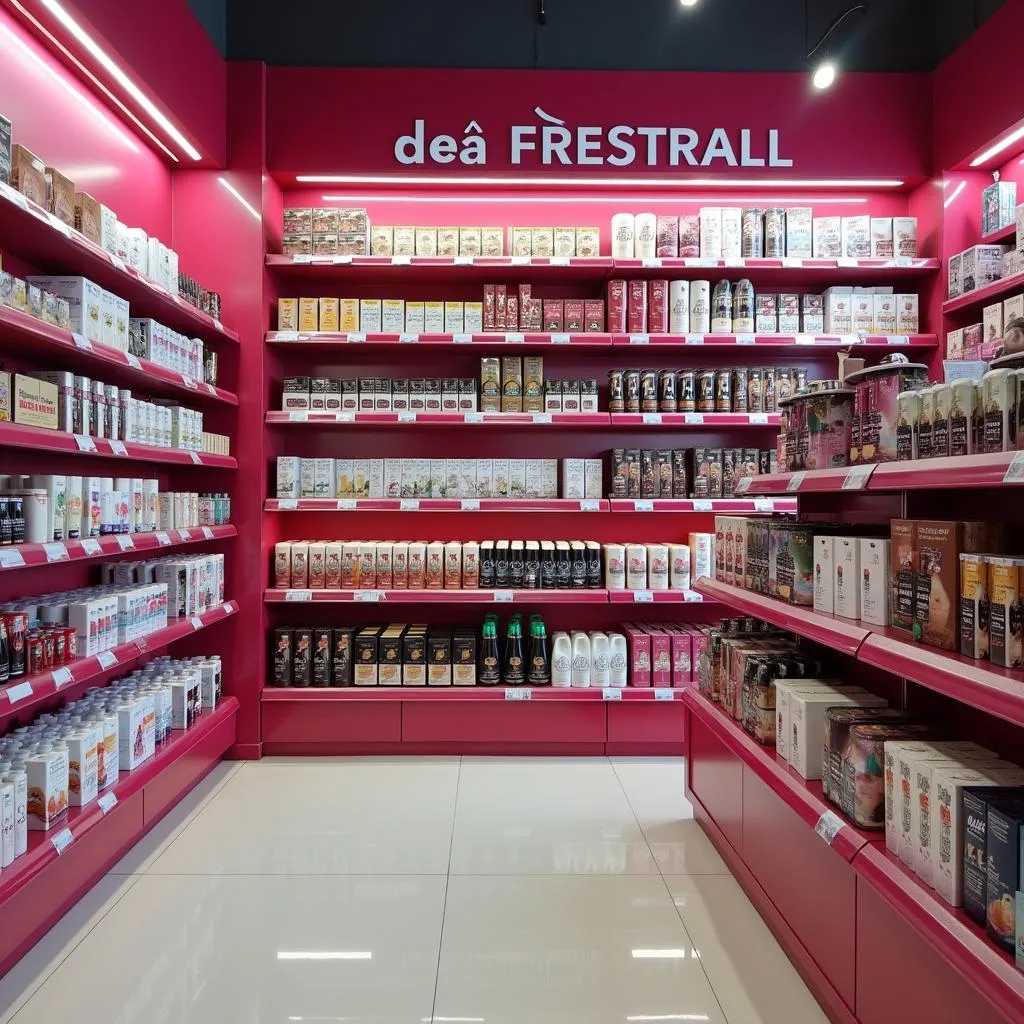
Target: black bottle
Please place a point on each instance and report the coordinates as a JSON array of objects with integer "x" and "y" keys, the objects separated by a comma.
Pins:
[
  {"x": 6, "y": 528},
  {"x": 5, "y": 653},
  {"x": 540, "y": 662},
  {"x": 514, "y": 670},
  {"x": 489, "y": 668}
]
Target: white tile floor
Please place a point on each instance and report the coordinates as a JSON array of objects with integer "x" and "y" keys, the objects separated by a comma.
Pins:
[{"x": 412, "y": 891}]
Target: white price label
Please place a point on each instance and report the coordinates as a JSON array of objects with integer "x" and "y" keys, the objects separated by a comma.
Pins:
[
  {"x": 298, "y": 595},
  {"x": 462, "y": 339},
  {"x": 18, "y": 692},
  {"x": 693, "y": 339},
  {"x": 1015, "y": 471},
  {"x": 502, "y": 596},
  {"x": 368, "y": 596},
  {"x": 764, "y": 505},
  {"x": 806, "y": 339},
  {"x": 61, "y": 677},
  {"x": 287, "y": 336},
  {"x": 611, "y": 693},
  {"x": 189, "y": 383},
  {"x": 746, "y": 339},
  {"x": 590, "y": 505},
  {"x": 302, "y": 257},
  {"x": 85, "y": 444},
  {"x": 517, "y": 693},
  {"x": 743, "y": 484},
  {"x": 514, "y": 338},
  {"x": 758, "y": 418},
  {"x": 406, "y": 417},
  {"x": 704, "y": 504},
  {"x": 401, "y": 261},
  {"x": 561, "y": 339},
  {"x": 195, "y": 458},
  {"x": 163, "y": 539},
  {"x": 652, "y": 418},
  {"x": 692, "y": 597},
  {"x": 184, "y": 535},
  {"x": 342, "y": 260},
  {"x": 207, "y": 533},
  {"x": 734, "y": 262},
  {"x": 12, "y": 195},
  {"x": 795, "y": 481},
  {"x": 60, "y": 226},
  {"x": 643, "y": 597},
  {"x": 470, "y": 505},
  {"x": 856, "y": 478},
  {"x": 107, "y": 802},
  {"x": 197, "y": 623},
  {"x": 896, "y": 339},
  {"x": 828, "y": 826},
  {"x": 846, "y": 261},
  {"x": 691, "y": 261},
  {"x": 463, "y": 261},
  {"x": 344, "y": 417},
  {"x": 639, "y": 339},
  {"x": 125, "y": 542},
  {"x": 117, "y": 447},
  {"x": 298, "y": 416},
  {"x": 408, "y": 339},
  {"x": 521, "y": 261},
  {"x": 559, "y": 261},
  {"x": 62, "y": 840},
  {"x": 662, "y": 693},
  {"x": 409, "y": 505},
  {"x": 55, "y": 552},
  {"x": 904, "y": 261},
  {"x": 541, "y": 417},
  {"x": 82, "y": 342},
  {"x": 643, "y": 505},
  {"x": 652, "y": 262},
  {"x": 107, "y": 659},
  {"x": 693, "y": 417},
  {"x": 473, "y": 417},
  {"x": 347, "y": 504},
  {"x": 792, "y": 261},
  {"x": 10, "y": 558},
  {"x": 355, "y": 337},
  {"x": 287, "y": 504}
]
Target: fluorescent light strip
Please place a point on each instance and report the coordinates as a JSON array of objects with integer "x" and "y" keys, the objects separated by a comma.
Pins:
[
  {"x": 120, "y": 77},
  {"x": 380, "y": 198},
  {"x": 952, "y": 196},
  {"x": 384, "y": 179},
  {"x": 999, "y": 147},
  {"x": 659, "y": 954},
  {"x": 238, "y": 195},
  {"x": 328, "y": 955},
  {"x": 668, "y": 1016}
]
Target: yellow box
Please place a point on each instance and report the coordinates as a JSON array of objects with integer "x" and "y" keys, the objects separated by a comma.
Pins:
[
  {"x": 309, "y": 314},
  {"x": 348, "y": 315},
  {"x": 287, "y": 314},
  {"x": 329, "y": 310},
  {"x": 35, "y": 402},
  {"x": 5, "y": 397}
]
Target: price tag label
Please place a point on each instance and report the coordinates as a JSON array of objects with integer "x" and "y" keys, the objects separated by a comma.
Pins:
[
  {"x": 857, "y": 477},
  {"x": 846, "y": 262},
  {"x": 643, "y": 597},
  {"x": 517, "y": 693},
  {"x": 344, "y": 417},
  {"x": 806, "y": 339},
  {"x": 409, "y": 505},
  {"x": 189, "y": 383},
  {"x": 10, "y": 558},
  {"x": 691, "y": 261},
  {"x": 62, "y": 840},
  {"x": 652, "y": 418},
  {"x": 462, "y": 339},
  {"x": 207, "y": 533},
  {"x": 758, "y": 418},
  {"x": 704, "y": 504},
  {"x": 652, "y": 262},
  {"x": 408, "y": 339},
  {"x": 107, "y": 802},
  {"x": 502, "y": 596},
  {"x": 746, "y": 339},
  {"x": 743, "y": 484},
  {"x": 514, "y": 338},
  {"x": 708, "y": 261},
  {"x": 347, "y": 504},
  {"x": 663, "y": 693},
  {"x": 643, "y": 505},
  {"x": 1015, "y": 471},
  {"x": 287, "y": 336},
  {"x": 133, "y": 361},
  {"x": 521, "y": 261},
  {"x": 355, "y": 337},
  {"x": 693, "y": 417},
  {"x": 298, "y": 416},
  {"x": 18, "y": 692},
  {"x": 61, "y": 677},
  {"x": 195, "y": 458},
  {"x": 406, "y": 417},
  {"x": 590, "y": 505},
  {"x": 795, "y": 482},
  {"x": 345, "y": 259},
  {"x": 184, "y": 535},
  {"x": 639, "y": 339},
  {"x": 117, "y": 447},
  {"x": 734, "y": 262},
  {"x": 541, "y": 417},
  {"x": 904, "y": 261},
  {"x": 611, "y": 693},
  {"x": 82, "y": 342},
  {"x": 463, "y": 261},
  {"x": 368, "y": 596},
  {"x": 895, "y": 339},
  {"x": 287, "y": 504},
  {"x": 85, "y": 444},
  {"x": 764, "y": 505},
  {"x": 692, "y": 597},
  {"x": 559, "y": 261},
  {"x": 792, "y": 261},
  {"x": 473, "y": 417},
  {"x": 163, "y": 539},
  {"x": 561, "y": 339},
  {"x": 197, "y": 623},
  {"x": 693, "y": 339},
  {"x": 470, "y": 505},
  {"x": 55, "y": 552},
  {"x": 107, "y": 659},
  {"x": 302, "y": 257},
  {"x": 828, "y": 826},
  {"x": 298, "y": 595},
  {"x": 125, "y": 542},
  {"x": 401, "y": 261}
]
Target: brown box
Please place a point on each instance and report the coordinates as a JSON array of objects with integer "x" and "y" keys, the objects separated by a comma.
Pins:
[
  {"x": 554, "y": 315},
  {"x": 937, "y": 546},
  {"x": 490, "y": 384},
  {"x": 512, "y": 313},
  {"x": 297, "y": 245},
  {"x": 617, "y": 306},
  {"x": 325, "y": 245},
  {"x": 325, "y": 220},
  {"x": 593, "y": 315},
  {"x": 533, "y": 384},
  {"x": 28, "y": 175},
  {"x": 657, "y": 307},
  {"x": 489, "y": 307},
  {"x": 87, "y": 216},
  {"x": 531, "y": 315},
  {"x": 511, "y": 384},
  {"x": 298, "y": 221},
  {"x": 500, "y": 303},
  {"x": 287, "y": 314},
  {"x": 573, "y": 314}
]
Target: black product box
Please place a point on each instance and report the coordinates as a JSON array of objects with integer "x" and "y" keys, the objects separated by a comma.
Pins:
[
  {"x": 318, "y": 388},
  {"x": 341, "y": 660},
  {"x": 620, "y": 473},
  {"x": 364, "y": 658},
  {"x": 321, "y": 657},
  {"x": 707, "y": 472},
  {"x": 399, "y": 394},
  {"x": 648, "y": 479},
  {"x": 389, "y": 656},
  {"x": 764, "y": 459},
  {"x": 302, "y": 662},
  {"x": 729, "y": 469},
  {"x": 680, "y": 478},
  {"x": 464, "y": 657},
  {"x": 414, "y": 656},
  {"x": 283, "y": 644},
  {"x": 432, "y": 394},
  {"x": 1002, "y": 865},
  {"x": 975, "y": 851},
  {"x": 663, "y": 466},
  {"x": 633, "y": 468},
  {"x": 5, "y": 150},
  {"x": 439, "y": 658}
]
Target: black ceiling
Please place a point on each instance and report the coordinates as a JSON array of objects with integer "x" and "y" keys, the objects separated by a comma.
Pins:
[{"x": 721, "y": 35}]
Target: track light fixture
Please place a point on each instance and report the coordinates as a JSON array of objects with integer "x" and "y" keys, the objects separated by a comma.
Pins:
[
  {"x": 827, "y": 69},
  {"x": 688, "y": 3}
]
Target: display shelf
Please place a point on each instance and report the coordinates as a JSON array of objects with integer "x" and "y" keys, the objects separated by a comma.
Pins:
[
  {"x": 434, "y": 505},
  {"x": 1003, "y": 234},
  {"x": 437, "y": 596},
  {"x": 655, "y": 597},
  {"x": 21, "y": 334},
  {"x": 964, "y": 945},
  {"x": 19, "y": 556},
  {"x": 433, "y": 268},
  {"x": 439, "y": 419},
  {"x": 29, "y": 692},
  {"x": 782, "y": 268},
  {"x": 274, "y": 694},
  {"x": 979, "y": 297},
  {"x": 694, "y": 419},
  {"x": 807, "y": 481},
  {"x": 32, "y": 234},
  {"x": 720, "y": 505},
  {"x": 802, "y": 796},
  {"x": 843, "y": 635},
  {"x": 17, "y": 435},
  {"x": 321, "y": 339},
  {"x": 828, "y": 342}
]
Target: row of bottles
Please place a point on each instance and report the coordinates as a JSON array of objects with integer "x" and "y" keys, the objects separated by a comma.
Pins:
[{"x": 578, "y": 659}]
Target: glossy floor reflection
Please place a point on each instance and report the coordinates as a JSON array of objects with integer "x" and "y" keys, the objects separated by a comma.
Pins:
[{"x": 413, "y": 891}]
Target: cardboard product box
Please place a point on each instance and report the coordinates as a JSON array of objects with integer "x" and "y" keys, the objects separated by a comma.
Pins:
[
  {"x": 433, "y": 317},
  {"x": 824, "y": 573},
  {"x": 370, "y": 316},
  {"x": 1002, "y": 865},
  {"x": 299, "y": 221},
  {"x": 439, "y": 657},
  {"x": 885, "y": 319},
  {"x": 542, "y": 241},
  {"x": 789, "y": 314},
  {"x": 617, "y": 301},
  {"x": 588, "y": 242},
  {"x": 902, "y": 560},
  {"x": 954, "y": 277},
  {"x": 863, "y": 311},
  {"x": 309, "y": 314},
  {"x": 799, "y": 232},
  {"x": 35, "y": 402},
  {"x": 937, "y": 546},
  {"x": 28, "y": 175},
  {"x": 904, "y": 231},
  {"x": 881, "y": 238},
  {"x": 1004, "y": 594},
  {"x": 5, "y": 150},
  {"x": 856, "y": 237},
  {"x": 828, "y": 237},
  {"x": 297, "y": 245},
  {"x": 974, "y": 605},
  {"x": 60, "y": 196},
  {"x": 907, "y": 316},
  {"x": 838, "y": 303},
  {"x": 520, "y": 241},
  {"x": 415, "y": 317},
  {"x": 992, "y": 321},
  {"x": 382, "y": 240},
  {"x": 511, "y": 384},
  {"x": 85, "y": 301},
  {"x": 998, "y": 202},
  {"x": 806, "y": 720},
  {"x": 348, "y": 315},
  {"x": 980, "y": 265},
  {"x": 500, "y": 479},
  {"x": 976, "y": 866},
  {"x": 392, "y": 316},
  {"x": 875, "y": 562}
]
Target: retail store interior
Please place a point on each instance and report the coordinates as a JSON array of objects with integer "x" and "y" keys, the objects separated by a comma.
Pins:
[{"x": 527, "y": 314}]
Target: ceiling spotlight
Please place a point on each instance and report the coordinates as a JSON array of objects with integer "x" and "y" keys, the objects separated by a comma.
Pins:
[
  {"x": 824, "y": 74},
  {"x": 688, "y": 3}
]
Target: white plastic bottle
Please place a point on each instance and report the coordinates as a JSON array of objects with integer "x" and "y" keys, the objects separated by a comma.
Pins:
[
  {"x": 645, "y": 238},
  {"x": 615, "y": 566},
  {"x": 19, "y": 779},
  {"x": 600, "y": 670},
  {"x": 657, "y": 566},
  {"x": 618, "y": 661},
  {"x": 7, "y": 823},
  {"x": 561, "y": 660},
  {"x": 700, "y": 307},
  {"x": 636, "y": 567},
  {"x": 623, "y": 228},
  {"x": 580, "y": 660},
  {"x": 679, "y": 307}
]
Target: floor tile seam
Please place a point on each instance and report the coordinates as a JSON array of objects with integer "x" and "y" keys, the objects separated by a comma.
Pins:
[{"x": 444, "y": 901}]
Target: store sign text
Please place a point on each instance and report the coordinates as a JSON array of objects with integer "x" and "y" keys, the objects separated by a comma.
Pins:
[{"x": 552, "y": 143}]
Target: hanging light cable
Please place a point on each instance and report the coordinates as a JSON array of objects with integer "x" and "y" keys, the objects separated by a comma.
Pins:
[{"x": 827, "y": 69}]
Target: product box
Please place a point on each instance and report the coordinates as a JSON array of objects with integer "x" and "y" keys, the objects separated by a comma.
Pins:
[
  {"x": 863, "y": 311},
  {"x": 47, "y": 804},
  {"x": 309, "y": 314},
  {"x": 824, "y": 573},
  {"x": 856, "y": 237},
  {"x": 936, "y": 582},
  {"x": 136, "y": 732},
  {"x": 875, "y": 559},
  {"x": 974, "y": 606},
  {"x": 881, "y": 238},
  {"x": 1004, "y": 592},
  {"x": 348, "y": 315},
  {"x": 433, "y": 317},
  {"x": 454, "y": 317},
  {"x": 28, "y": 175},
  {"x": 827, "y": 237},
  {"x": 35, "y": 402},
  {"x": 1002, "y": 865},
  {"x": 907, "y": 316},
  {"x": 5, "y": 150},
  {"x": 904, "y": 231},
  {"x": 992, "y": 322},
  {"x": 415, "y": 318},
  {"x": 884, "y": 314},
  {"x": 799, "y": 232},
  {"x": 806, "y": 724},
  {"x": 980, "y": 265},
  {"x": 85, "y": 302},
  {"x": 954, "y": 277},
  {"x": 838, "y": 303},
  {"x": 392, "y": 316},
  {"x": 902, "y": 555},
  {"x": 998, "y": 201},
  {"x": 439, "y": 657},
  {"x": 370, "y": 316},
  {"x": 511, "y": 384}
]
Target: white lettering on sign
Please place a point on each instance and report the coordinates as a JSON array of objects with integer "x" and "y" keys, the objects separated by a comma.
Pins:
[{"x": 552, "y": 143}]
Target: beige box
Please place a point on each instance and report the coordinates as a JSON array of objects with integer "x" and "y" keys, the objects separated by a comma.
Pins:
[
  {"x": 300, "y": 565},
  {"x": 454, "y": 317},
  {"x": 433, "y": 317},
  {"x": 87, "y": 217},
  {"x": 574, "y": 479},
  {"x": 35, "y": 402},
  {"x": 447, "y": 241},
  {"x": 863, "y": 311},
  {"x": 473, "y": 317},
  {"x": 907, "y": 315},
  {"x": 564, "y": 241},
  {"x": 47, "y": 805},
  {"x": 875, "y": 567},
  {"x": 588, "y": 242},
  {"x": 885, "y": 314},
  {"x": 828, "y": 238},
  {"x": 838, "y": 302},
  {"x": 370, "y": 316},
  {"x": 881, "y": 238},
  {"x": 348, "y": 315},
  {"x": 904, "y": 233},
  {"x": 517, "y": 476},
  {"x": 534, "y": 478},
  {"x": 856, "y": 237},
  {"x": 542, "y": 241},
  {"x": 309, "y": 314},
  {"x": 1013, "y": 307},
  {"x": 484, "y": 483},
  {"x": 499, "y": 478},
  {"x": 807, "y": 725},
  {"x": 330, "y": 315},
  {"x": 533, "y": 384},
  {"x": 393, "y": 316},
  {"x": 415, "y": 318},
  {"x": 317, "y": 566},
  {"x": 469, "y": 241},
  {"x": 344, "y": 482},
  {"x": 289, "y": 474},
  {"x": 594, "y": 478},
  {"x": 992, "y": 322},
  {"x": 426, "y": 241},
  {"x": 492, "y": 242},
  {"x": 288, "y": 314},
  {"x": 521, "y": 241},
  {"x": 404, "y": 243},
  {"x": 783, "y": 725},
  {"x": 382, "y": 240}
]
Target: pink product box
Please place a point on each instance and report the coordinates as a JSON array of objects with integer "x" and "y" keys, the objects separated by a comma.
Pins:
[
  {"x": 987, "y": 350},
  {"x": 661, "y": 656},
  {"x": 639, "y": 654},
  {"x": 700, "y": 641},
  {"x": 682, "y": 656}
]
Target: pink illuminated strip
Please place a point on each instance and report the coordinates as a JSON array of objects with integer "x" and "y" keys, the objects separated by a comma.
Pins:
[{"x": 402, "y": 180}]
